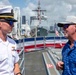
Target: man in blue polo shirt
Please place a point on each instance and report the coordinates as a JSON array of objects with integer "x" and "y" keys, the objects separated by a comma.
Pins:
[{"x": 68, "y": 63}]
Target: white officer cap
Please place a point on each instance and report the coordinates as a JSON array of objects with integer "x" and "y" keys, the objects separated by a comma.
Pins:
[{"x": 6, "y": 12}]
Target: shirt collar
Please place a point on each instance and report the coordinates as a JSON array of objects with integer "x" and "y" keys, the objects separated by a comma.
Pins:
[
  {"x": 75, "y": 43},
  {"x": 68, "y": 43}
]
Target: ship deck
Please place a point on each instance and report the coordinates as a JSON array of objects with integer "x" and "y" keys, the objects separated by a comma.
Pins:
[{"x": 42, "y": 62}]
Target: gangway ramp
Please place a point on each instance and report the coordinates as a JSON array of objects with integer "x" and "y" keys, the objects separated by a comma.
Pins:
[
  {"x": 42, "y": 62},
  {"x": 50, "y": 66},
  {"x": 54, "y": 56},
  {"x": 55, "y": 53}
]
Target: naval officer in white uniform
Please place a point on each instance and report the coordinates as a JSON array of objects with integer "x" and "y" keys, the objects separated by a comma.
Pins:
[{"x": 8, "y": 54}]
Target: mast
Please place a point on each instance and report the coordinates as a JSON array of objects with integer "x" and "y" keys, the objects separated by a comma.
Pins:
[{"x": 40, "y": 14}]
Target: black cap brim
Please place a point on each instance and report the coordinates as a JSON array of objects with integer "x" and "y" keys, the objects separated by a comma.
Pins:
[
  {"x": 14, "y": 20},
  {"x": 60, "y": 25},
  {"x": 64, "y": 23},
  {"x": 9, "y": 19}
]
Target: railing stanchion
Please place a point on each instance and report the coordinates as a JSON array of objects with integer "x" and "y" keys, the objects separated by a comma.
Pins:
[
  {"x": 35, "y": 43},
  {"x": 21, "y": 55},
  {"x": 44, "y": 39}
]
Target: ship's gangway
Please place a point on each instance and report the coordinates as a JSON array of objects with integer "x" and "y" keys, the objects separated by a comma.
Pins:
[
  {"x": 41, "y": 57},
  {"x": 39, "y": 62}
]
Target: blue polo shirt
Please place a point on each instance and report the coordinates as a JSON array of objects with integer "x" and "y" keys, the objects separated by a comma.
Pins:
[{"x": 69, "y": 59}]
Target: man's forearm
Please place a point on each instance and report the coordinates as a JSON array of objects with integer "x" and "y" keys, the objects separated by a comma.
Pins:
[{"x": 17, "y": 69}]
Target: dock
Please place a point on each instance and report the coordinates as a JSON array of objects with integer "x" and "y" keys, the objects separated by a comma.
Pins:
[{"x": 42, "y": 62}]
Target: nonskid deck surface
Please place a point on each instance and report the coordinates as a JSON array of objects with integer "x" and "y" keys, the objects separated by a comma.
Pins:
[
  {"x": 34, "y": 64},
  {"x": 42, "y": 62}
]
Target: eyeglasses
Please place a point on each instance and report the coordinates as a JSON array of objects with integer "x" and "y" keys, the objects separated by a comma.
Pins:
[{"x": 10, "y": 22}]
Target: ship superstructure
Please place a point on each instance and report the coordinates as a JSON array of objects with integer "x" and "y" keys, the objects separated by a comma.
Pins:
[
  {"x": 25, "y": 28},
  {"x": 38, "y": 18},
  {"x": 40, "y": 14}
]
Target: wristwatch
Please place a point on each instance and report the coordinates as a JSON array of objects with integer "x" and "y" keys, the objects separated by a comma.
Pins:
[{"x": 19, "y": 73}]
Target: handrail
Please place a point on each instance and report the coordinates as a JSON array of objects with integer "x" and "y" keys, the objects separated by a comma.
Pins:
[
  {"x": 42, "y": 42},
  {"x": 39, "y": 38},
  {"x": 36, "y": 42},
  {"x": 21, "y": 55}
]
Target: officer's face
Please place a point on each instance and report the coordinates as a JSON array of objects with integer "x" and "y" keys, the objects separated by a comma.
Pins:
[{"x": 5, "y": 27}]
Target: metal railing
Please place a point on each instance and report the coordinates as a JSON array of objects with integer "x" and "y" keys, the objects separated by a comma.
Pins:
[
  {"x": 44, "y": 42},
  {"x": 41, "y": 42},
  {"x": 21, "y": 55}
]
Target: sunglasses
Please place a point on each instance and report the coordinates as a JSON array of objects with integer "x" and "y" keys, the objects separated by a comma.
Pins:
[
  {"x": 66, "y": 26},
  {"x": 10, "y": 22}
]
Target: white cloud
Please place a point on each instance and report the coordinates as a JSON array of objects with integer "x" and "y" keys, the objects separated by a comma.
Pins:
[
  {"x": 57, "y": 10},
  {"x": 4, "y": 2},
  {"x": 70, "y": 1},
  {"x": 28, "y": 10}
]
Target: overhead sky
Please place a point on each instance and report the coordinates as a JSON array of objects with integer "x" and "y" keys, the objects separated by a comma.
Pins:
[{"x": 57, "y": 10}]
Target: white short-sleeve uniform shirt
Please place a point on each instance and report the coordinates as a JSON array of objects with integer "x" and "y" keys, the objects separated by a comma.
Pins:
[{"x": 8, "y": 56}]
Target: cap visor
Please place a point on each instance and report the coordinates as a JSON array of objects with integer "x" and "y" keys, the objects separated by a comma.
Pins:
[
  {"x": 14, "y": 20},
  {"x": 61, "y": 24},
  {"x": 11, "y": 19}
]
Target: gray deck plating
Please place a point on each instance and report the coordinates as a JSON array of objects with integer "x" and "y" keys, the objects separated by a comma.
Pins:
[{"x": 42, "y": 62}]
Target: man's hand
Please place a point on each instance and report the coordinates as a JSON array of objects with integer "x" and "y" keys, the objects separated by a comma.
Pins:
[{"x": 60, "y": 65}]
